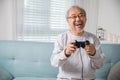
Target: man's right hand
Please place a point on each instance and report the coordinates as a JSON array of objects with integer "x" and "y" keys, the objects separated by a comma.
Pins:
[{"x": 70, "y": 49}]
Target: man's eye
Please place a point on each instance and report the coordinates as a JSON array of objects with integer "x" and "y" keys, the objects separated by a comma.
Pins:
[
  {"x": 81, "y": 15},
  {"x": 73, "y": 16}
]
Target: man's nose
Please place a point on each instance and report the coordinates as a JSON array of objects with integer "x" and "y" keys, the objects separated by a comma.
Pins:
[{"x": 78, "y": 18}]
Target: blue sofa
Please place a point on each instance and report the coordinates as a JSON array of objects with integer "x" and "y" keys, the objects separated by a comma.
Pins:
[{"x": 28, "y": 60}]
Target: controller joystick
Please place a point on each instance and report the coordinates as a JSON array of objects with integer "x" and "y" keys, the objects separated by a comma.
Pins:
[{"x": 81, "y": 43}]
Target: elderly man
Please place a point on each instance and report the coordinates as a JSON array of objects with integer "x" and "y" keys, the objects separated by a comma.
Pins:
[{"x": 77, "y": 63}]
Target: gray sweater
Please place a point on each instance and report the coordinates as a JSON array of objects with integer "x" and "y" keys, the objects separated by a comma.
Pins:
[{"x": 79, "y": 65}]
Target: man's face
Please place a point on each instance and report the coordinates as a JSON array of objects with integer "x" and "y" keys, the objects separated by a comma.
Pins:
[{"x": 76, "y": 19}]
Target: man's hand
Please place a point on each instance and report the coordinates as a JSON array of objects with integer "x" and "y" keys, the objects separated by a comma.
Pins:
[
  {"x": 90, "y": 49},
  {"x": 70, "y": 49}
]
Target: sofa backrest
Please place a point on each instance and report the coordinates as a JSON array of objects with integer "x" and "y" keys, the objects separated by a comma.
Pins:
[{"x": 27, "y": 58}]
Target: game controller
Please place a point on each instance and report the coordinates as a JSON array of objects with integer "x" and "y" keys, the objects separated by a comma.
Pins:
[{"x": 81, "y": 43}]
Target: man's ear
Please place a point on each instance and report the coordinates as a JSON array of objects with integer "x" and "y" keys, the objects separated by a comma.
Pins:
[
  {"x": 67, "y": 20},
  {"x": 86, "y": 21}
]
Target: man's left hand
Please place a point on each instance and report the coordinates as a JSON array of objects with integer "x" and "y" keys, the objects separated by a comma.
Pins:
[{"x": 90, "y": 49}]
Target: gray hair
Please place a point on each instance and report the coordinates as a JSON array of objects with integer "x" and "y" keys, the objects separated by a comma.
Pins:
[{"x": 77, "y": 8}]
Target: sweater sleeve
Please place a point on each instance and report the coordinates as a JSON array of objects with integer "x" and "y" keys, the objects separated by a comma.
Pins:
[
  {"x": 98, "y": 59},
  {"x": 58, "y": 57}
]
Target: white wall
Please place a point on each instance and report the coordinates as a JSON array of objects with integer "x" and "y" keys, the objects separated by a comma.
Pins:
[
  {"x": 91, "y": 7},
  {"x": 109, "y": 15},
  {"x": 6, "y": 20}
]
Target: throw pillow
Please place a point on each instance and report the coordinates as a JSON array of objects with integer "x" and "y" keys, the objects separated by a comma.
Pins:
[
  {"x": 115, "y": 72},
  {"x": 5, "y": 75}
]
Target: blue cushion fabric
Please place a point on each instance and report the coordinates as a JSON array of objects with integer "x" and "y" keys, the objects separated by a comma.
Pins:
[{"x": 34, "y": 78}]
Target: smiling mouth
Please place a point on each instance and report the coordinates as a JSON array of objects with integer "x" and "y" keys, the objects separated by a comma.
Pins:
[{"x": 78, "y": 24}]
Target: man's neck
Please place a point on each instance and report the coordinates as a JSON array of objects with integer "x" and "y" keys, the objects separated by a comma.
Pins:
[{"x": 77, "y": 33}]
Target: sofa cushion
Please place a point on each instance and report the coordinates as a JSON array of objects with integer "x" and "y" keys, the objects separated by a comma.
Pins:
[
  {"x": 33, "y": 78},
  {"x": 5, "y": 75},
  {"x": 27, "y": 58},
  {"x": 115, "y": 72},
  {"x": 100, "y": 79}
]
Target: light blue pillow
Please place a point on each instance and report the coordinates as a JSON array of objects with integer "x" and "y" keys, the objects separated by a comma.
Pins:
[{"x": 5, "y": 75}]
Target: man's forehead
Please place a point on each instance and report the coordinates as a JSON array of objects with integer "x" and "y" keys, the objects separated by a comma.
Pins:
[
  {"x": 74, "y": 12},
  {"x": 74, "y": 9}
]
